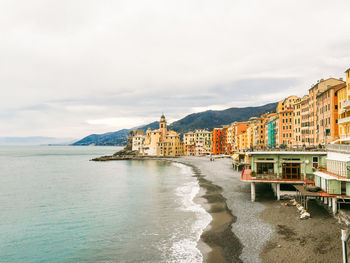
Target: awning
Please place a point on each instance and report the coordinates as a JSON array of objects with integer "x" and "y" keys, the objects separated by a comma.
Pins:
[
  {"x": 342, "y": 157},
  {"x": 265, "y": 161},
  {"x": 330, "y": 177}
]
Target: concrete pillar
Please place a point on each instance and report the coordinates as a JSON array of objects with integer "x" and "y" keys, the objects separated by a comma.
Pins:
[
  {"x": 252, "y": 191},
  {"x": 273, "y": 186},
  {"x": 330, "y": 202},
  {"x": 278, "y": 191},
  {"x": 334, "y": 205},
  {"x": 344, "y": 239},
  {"x": 325, "y": 200}
]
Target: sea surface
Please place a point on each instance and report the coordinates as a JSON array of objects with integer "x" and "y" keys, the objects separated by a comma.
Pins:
[{"x": 57, "y": 206}]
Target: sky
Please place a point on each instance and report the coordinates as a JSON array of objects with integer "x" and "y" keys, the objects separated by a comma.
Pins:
[{"x": 71, "y": 68}]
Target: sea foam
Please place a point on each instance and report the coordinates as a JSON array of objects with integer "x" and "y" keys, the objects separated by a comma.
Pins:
[{"x": 185, "y": 249}]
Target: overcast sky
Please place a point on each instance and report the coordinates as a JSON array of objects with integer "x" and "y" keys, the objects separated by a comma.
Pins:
[{"x": 71, "y": 68}]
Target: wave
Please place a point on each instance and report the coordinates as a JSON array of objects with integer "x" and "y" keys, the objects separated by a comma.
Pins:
[{"x": 185, "y": 249}]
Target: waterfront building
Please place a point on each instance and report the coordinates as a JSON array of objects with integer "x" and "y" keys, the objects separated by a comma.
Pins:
[
  {"x": 285, "y": 110},
  {"x": 297, "y": 113},
  {"x": 334, "y": 179},
  {"x": 251, "y": 132},
  {"x": 219, "y": 140},
  {"x": 271, "y": 129},
  {"x": 305, "y": 120},
  {"x": 138, "y": 140},
  {"x": 203, "y": 142},
  {"x": 189, "y": 143},
  {"x": 282, "y": 167},
  {"x": 239, "y": 127},
  {"x": 327, "y": 110},
  {"x": 259, "y": 131},
  {"x": 344, "y": 108},
  {"x": 319, "y": 87},
  {"x": 160, "y": 142},
  {"x": 170, "y": 145}
]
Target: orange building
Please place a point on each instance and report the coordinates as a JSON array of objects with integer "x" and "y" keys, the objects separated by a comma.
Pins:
[
  {"x": 219, "y": 140},
  {"x": 285, "y": 110},
  {"x": 327, "y": 113}
]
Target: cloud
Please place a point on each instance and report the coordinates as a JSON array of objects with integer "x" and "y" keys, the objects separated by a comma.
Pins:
[{"x": 67, "y": 63}]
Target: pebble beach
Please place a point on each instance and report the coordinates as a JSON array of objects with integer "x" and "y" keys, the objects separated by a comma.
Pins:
[{"x": 262, "y": 231}]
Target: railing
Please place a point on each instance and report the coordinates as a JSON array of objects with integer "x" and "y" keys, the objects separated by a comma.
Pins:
[
  {"x": 344, "y": 120},
  {"x": 338, "y": 148},
  {"x": 319, "y": 148},
  {"x": 267, "y": 176},
  {"x": 346, "y": 104}
]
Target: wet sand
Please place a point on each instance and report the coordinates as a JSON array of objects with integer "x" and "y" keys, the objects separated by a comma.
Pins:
[
  {"x": 235, "y": 237},
  {"x": 218, "y": 243}
]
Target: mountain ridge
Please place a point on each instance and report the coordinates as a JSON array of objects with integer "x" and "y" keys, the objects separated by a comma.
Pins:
[{"x": 202, "y": 120}]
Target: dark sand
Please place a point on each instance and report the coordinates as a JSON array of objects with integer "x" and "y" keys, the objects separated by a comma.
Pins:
[
  {"x": 225, "y": 246},
  {"x": 313, "y": 240}
]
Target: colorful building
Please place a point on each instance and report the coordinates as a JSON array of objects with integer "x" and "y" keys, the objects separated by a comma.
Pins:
[
  {"x": 189, "y": 143},
  {"x": 160, "y": 142},
  {"x": 271, "y": 130},
  {"x": 219, "y": 140},
  {"x": 282, "y": 167},
  {"x": 297, "y": 113},
  {"x": 285, "y": 109},
  {"x": 203, "y": 142},
  {"x": 319, "y": 87},
  {"x": 344, "y": 108},
  {"x": 327, "y": 119}
]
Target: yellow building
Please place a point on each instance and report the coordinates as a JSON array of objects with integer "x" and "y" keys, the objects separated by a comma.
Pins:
[
  {"x": 251, "y": 133},
  {"x": 170, "y": 145},
  {"x": 160, "y": 142},
  {"x": 343, "y": 95},
  {"x": 297, "y": 113},
  {"x": 203, "y": 142},
  {"x": 242, "y": 141},
  {"x": 189, "y": 143}
]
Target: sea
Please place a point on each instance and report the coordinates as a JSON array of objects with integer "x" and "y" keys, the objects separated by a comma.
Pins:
[{"x": 58, "y": 206}]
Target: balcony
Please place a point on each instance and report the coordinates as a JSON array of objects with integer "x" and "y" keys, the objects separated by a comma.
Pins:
[
  {"x": 343, "y": 148},
  {"x": 344, "y": 120},
  {"x": 346, "y": 104}
]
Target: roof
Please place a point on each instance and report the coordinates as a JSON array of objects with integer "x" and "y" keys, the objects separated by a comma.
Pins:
[
  {"x": 335, "y": 87},
  {"x": 347, "y": 70},
  {"x": 329, "y": 176}
]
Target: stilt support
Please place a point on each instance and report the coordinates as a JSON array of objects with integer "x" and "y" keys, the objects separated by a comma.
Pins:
[
  {"x": 252, "y": 191},
  {"x": 278, "y": 191},
  {"x": 334, "y": 205},
  {"x": 344, "y": 241}
]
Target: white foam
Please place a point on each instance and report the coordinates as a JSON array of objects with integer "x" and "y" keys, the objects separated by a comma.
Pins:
[{"x": 185, "y": 250}]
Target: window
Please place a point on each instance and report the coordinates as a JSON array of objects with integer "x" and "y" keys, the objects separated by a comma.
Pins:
[{"x": 315, "y": 161}]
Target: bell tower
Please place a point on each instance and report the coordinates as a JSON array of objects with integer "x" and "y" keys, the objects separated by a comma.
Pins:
[{"x": 162, "y": 127}]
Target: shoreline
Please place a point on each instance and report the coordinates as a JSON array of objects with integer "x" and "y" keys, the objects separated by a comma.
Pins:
[
  {"x": 263, "y": 231},
  {"x": 217, "y": 243},
  {"x": 224, "y": 245}
]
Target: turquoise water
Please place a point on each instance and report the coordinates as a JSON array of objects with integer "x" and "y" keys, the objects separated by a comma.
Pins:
[{"x": 57, "y": 206}]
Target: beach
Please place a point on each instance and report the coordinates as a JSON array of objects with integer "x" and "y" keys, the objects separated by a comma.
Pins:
[{"x": 261, "y": 231}]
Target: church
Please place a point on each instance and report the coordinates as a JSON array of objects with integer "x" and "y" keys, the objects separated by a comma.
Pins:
[{"x": 160, "y": 142}]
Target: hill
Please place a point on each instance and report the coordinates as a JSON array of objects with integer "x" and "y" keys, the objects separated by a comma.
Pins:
[
  {"x": 202, "y": 120},
  {"x": 112, "y": 138},
  {"x": 214, "y": 119}
]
